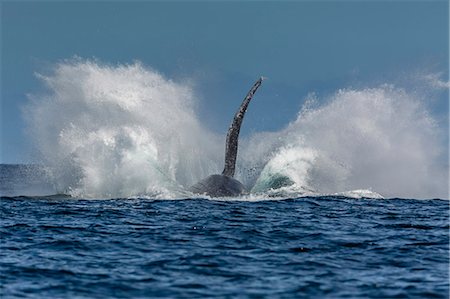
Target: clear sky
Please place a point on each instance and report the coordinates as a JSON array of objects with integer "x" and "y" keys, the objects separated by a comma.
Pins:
[{"x": 301, "y": 46}]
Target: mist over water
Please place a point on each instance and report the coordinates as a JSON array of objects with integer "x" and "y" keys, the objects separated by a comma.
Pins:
[{"x": 126, "y": 130}]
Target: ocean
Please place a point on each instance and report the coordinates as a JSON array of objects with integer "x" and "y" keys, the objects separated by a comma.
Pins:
[
  {"x": 106, "y": 213},
  {"x": 62, "y": 246}
]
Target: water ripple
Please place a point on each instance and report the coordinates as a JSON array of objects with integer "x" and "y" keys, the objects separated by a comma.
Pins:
[{"x": 140, "y": 248}]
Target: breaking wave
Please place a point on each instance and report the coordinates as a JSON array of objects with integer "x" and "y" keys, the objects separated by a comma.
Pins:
[{"x": 126, "y": 130}]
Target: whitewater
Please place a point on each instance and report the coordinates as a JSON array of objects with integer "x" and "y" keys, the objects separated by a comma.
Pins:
[{"x": 125, "y": 130}]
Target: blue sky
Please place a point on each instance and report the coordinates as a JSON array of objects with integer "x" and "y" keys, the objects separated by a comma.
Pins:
[{"x": 300, "y": 46}]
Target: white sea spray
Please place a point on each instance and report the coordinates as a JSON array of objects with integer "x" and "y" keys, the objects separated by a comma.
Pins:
[{"x": 126, "y": 131}]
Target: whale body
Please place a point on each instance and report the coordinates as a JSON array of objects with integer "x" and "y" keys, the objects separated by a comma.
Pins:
[
  {"x": 224, "y": 185},
  {"x": 219, "y": 185}
]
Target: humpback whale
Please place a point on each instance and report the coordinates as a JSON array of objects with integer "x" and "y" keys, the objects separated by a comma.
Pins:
[{"x": 221, "y": 185}]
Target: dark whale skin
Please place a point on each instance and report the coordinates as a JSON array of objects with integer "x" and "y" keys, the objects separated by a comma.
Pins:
[
  {"x": 218, "y": 185},
  {"x": 223, "y": 185}
]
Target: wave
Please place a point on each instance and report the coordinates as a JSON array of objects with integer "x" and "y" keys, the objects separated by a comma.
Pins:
[{"x": 114, "y": 131}]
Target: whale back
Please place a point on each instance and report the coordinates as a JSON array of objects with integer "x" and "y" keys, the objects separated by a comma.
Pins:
[{"x": 218, "y": 185}]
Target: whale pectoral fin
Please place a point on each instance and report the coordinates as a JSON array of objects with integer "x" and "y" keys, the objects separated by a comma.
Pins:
[
  {"x": 218, "y": 185},
  {"x": 231, "y": 146}
]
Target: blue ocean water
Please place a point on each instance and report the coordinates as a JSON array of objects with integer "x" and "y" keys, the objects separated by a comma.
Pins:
[
  {"x": 125, "y": 142},
  {"x": 309, "y": 247}
]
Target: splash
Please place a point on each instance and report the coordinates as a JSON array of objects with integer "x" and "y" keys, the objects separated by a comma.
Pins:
[
  {"x": 126, "y": 131},
  {"x": 119, "y": 131},
  {"x": 378, "y": 139}
]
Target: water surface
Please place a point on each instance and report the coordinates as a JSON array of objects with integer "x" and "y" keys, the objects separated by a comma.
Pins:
[{"x": 313, "y": 247}]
